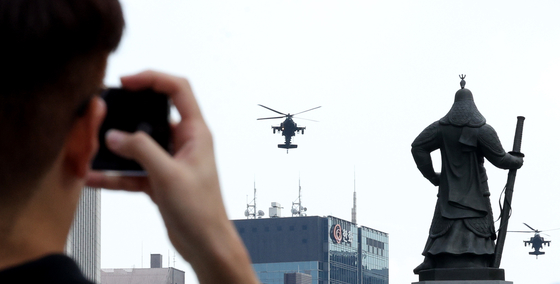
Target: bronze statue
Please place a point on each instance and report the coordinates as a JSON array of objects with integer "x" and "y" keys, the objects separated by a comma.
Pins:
[{"x": 462, "y": 232}]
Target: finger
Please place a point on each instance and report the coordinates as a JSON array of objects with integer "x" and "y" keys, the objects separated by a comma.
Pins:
[
  {"x": 141, "y": 148},
  {"x": 101, "y": 180},
  {"x": 177, "y": 88}
]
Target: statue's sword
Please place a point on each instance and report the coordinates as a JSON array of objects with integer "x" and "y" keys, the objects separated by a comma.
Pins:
[{"x": 509, "y": 194}]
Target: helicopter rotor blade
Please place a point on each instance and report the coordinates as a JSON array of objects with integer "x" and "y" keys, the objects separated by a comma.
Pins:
[
  {"x": 307, "y": 110},
  {"x": 530, "y": 227},
  {"x": 532, "y": 232},
  {"x": 263, "y": 118},
  {"x": 551, "y": 230},
  {"x": 308, "y": 119},
  {"x": 272, "y": 110}
]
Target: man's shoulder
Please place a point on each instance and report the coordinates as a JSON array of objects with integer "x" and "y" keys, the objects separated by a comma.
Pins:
[{"x": 56, "y": 268}]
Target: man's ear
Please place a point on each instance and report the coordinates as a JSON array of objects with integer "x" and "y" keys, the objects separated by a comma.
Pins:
[{"x": 82, "y": 141}]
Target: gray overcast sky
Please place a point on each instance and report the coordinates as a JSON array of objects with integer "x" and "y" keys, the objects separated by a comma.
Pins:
[{"x": 382, "y": 71}]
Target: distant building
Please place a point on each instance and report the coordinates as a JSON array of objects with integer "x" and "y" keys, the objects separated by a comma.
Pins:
[
  {"x": 297, "y": 278},
  {"x": 154, "y": 275},
  {"x": 329, "y": 249},
  {"x": 84, "y": 240},
  {"x": 156, "y": 261}
]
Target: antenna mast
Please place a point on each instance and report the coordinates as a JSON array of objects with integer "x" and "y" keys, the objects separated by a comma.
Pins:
[
  {"x": 297, "y": 209},
  {"x": 354, "y": 207},
  {"x": 251, "y": 211}
]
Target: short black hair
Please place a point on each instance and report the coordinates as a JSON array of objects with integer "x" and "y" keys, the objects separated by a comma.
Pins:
[{"x": 52, "y": 57}]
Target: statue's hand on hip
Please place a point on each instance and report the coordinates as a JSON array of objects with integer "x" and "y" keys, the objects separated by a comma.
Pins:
[{"x": 435, "y": 179}]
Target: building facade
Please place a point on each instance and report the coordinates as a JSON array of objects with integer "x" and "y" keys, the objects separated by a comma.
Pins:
[
  {"x": 167, "y": 275},
  {"x": 329, "y": 249},
  {"x": 297, "y": 278},
  {"x": 84, "y": 240},
  {"x": 156, "y": 274}
]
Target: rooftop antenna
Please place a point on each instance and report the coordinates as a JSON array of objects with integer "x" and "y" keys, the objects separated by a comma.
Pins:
[
  {"x": 297, "y": 209},
  {"x": 354, "y": 207},
  {"x": 251, "y": 211}
]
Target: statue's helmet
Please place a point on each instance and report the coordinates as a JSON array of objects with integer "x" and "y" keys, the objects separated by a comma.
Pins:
[{"x": 464, "y": 111}]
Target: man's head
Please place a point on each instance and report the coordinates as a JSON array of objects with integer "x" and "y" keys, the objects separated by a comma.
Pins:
[{"x": 52, "y": 56}]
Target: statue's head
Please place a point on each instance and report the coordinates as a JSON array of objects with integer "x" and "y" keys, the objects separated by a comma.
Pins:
[
  {"x": 463, "y": 95},
  {"x": 464, "y": 111}
]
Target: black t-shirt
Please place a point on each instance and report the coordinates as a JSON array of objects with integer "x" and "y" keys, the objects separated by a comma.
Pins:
[{"x": 57, "y": 268}]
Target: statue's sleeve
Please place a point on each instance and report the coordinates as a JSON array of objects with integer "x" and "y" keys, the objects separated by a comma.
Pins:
[
  {"x": 422, "y": 146},
  {"x": 492, "y": 149}
]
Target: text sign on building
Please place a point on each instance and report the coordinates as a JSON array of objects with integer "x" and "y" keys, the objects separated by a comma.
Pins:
[{"x": 339, "y": 235}]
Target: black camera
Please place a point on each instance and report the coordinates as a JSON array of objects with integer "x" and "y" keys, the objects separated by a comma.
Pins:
[{"x": 132, "y": 111}]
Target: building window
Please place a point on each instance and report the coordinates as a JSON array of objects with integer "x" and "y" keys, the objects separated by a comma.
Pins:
[
  {"x": 266, "y": 229},
  {"x": 279, "y": 228},
  {"x": 292, "y": 228},
  {"x": 304, "y": 227},
  {"x": 241, "y": 230},
  {"x": 304, "y": 241},
  {"x": 254, "y": 229}
]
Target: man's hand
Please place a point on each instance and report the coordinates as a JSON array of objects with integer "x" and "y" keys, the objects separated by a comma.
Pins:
[{"x": 184, "y": 186}]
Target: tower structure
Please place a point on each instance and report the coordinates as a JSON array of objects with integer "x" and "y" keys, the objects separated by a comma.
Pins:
[
  {"x": 84, "y": 240},
  {"x": 251, "y": 211},
  {"x": 298, "y": 209},
  {"x": 354, "y": 220}
]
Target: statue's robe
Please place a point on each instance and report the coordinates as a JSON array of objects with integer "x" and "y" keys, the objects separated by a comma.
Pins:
[{"x": 463, "y": 220}]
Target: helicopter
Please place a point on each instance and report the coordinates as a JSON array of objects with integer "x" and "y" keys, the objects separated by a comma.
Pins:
[
  {"x": 536, "y": 241},
  {"x": 288, "y": 128}
]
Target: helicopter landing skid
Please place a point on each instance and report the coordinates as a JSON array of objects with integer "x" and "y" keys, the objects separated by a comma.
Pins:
[
  {"x": 536, "y": 253},
  {"x": 284, "y": 146}
]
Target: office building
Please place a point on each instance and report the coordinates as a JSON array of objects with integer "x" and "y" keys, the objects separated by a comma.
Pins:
[
  {"x": 329, "y": 249},
  {"x": 156, "y": 274},
  {"x": 297, "y": 278},
  {"x": 84, "y": 240}
]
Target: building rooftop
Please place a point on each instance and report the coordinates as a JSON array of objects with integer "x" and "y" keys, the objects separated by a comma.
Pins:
[{"x": 167, "y": 275}]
